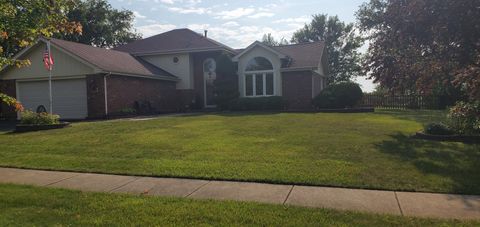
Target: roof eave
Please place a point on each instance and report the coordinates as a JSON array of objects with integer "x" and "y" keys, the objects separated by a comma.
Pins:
[
  {"x": 306, "y": 68},
  {"x": 155, "y": 77}
]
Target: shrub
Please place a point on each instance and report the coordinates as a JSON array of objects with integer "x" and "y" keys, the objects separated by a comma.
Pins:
[
  {"x": 258, "y": 103},
  {"x": 341, "y": 95},
  {"x": 438, "y": 129},
  {"x": 464, "y": 118},
  {"x": 32, "y": 118},
  {"x": 226, "y": 84}
]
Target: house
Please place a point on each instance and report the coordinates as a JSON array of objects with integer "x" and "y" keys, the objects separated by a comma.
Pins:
[{"x": 163, "y": 73}]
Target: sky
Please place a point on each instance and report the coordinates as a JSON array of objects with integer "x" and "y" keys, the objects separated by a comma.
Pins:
[{"x": 236, "y": 23}]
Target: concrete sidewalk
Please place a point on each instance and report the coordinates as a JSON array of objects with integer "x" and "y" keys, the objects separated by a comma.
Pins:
[{"x": 385, "y": 202}]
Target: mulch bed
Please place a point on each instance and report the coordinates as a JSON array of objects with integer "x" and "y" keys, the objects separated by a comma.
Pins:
[
  {"x": 31, "y": 128},
  {"x": 448, "y": 138}
]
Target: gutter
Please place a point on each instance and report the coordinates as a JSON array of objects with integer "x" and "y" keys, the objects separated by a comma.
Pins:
[{"x": 105, "y": 92}]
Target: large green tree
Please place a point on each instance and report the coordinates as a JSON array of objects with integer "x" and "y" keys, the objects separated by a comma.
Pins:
[
  {"x": 268, "y": 39},
  {"x": 423, "y": 46},
  {"x": 103, "y": 26},
  {"x": 342, "y": 43},
  {"x": 23, "y": 21}
]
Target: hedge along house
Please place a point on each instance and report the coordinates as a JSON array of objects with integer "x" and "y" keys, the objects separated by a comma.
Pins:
[{"x": 164, "y": 73}]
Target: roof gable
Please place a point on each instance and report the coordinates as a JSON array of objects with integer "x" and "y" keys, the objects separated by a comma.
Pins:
[
  {"x": 178, "y": 40},
  {"x": 65, "y": 64},
  {"x": 261, "y": 45}
]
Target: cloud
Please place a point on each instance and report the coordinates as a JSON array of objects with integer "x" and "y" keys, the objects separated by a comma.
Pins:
[
  {"x": 234, "y": 14},
  {"x": 262, "y": 14},
  {"x": 138, "y": 15},
  {"x": 240, "y": 36},
  {"x": 231, "y": 24},
  {"x": 189, "y": 10},
  {"x": 154, "y": 29},
  {"x": 302, "y": 19}
]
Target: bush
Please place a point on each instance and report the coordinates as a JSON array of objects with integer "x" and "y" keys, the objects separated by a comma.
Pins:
[
  {"x": 464, "y": 118},
  {"x": 438, "y": 129},
  {"x": 32, "y": 118},
  {"x": 341, "y": 95},
  {"x": 258, "y": 103}
]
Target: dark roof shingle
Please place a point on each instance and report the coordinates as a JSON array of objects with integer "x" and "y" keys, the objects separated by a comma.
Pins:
[
  {"x": 172, "y": 41},
  {"x": 303, "y": 54},
  {"x": 111, "y": 60}
]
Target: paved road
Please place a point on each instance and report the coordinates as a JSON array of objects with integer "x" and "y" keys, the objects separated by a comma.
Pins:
[{"x": 385, "y": 202}]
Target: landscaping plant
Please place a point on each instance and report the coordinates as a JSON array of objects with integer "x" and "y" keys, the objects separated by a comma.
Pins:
[
  {"x": 438, "y": 129},
  {"x": 464, "y": 118},
  {"x": 340, "y": 95},
  {"x": 32, "y": 118}
]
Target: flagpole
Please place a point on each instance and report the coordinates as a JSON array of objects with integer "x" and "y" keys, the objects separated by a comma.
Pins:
[{"x": 50, "y": 79}]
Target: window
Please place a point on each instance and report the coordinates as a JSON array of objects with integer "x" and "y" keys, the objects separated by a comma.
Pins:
[
  {"x": 176, "y": 60},
  {"x": 259, "y": 77},
  {"x": 259, "y": 63}
]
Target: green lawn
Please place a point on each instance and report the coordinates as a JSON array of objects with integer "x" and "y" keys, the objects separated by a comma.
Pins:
[
  {"x": 367, "y": 150},
  {"x": 34, "y": 206}
]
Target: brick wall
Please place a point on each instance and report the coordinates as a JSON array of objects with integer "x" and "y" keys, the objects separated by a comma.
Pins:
[
  {"x": 297, "y": 89},
  {"x": 124, "y": 91},
  {"x": 95, "y": 96},
  {"x": 7, "y": 87}
]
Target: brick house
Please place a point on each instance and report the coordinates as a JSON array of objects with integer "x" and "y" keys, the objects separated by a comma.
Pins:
[{"x": 164, "y": 73}]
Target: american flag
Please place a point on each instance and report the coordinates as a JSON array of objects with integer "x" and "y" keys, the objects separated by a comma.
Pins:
[{"x": 48, "y": 58}]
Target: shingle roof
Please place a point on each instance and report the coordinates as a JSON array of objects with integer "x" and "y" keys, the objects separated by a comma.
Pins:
[
  {"x": 111, "y": 60},
  {"x": 172, "y": 41},
  {"x": 303, "y": 54}
]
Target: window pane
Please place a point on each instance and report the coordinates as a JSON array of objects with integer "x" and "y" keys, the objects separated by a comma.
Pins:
[
  {"x": 248, "y": 85},
  {"x": 269, "y": 85},
  {"x": 259, "y": 84},
  {"x": 259, "y": 63}
]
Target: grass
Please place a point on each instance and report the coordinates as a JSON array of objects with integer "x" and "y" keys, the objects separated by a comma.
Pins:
[
  {"x": 34, "y": 206},
  {"x": 367, "y": 150}
]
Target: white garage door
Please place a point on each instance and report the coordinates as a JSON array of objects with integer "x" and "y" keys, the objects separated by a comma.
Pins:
[{"x": 69, "y": 97}]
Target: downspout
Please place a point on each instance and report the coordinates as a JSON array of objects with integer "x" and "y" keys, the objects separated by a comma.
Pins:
[{"x": 105, "y": 92}]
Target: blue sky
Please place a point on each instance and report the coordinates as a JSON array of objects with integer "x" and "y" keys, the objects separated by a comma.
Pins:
[{"x": 235, "y": 23}]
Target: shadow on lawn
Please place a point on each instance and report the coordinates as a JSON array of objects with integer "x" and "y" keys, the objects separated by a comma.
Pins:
[
  {"x": 421, "y": 116},
  {"x": 235, "y": 113},
  {"x": 458, "y": 162}
]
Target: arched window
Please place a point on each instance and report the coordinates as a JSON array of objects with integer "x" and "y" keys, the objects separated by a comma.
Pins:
[
  {"x": 258, "y": 63},
  {"x": 259, "y": 77}
]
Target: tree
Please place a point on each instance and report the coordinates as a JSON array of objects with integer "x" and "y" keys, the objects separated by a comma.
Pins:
[
  {"x": 23, "y": 21},
  {"x": 342, "y": 45},
  {"x": 103, "y": 26},
  {"x": 423, "y": 46},
  {"x": 269, "y": 40}
]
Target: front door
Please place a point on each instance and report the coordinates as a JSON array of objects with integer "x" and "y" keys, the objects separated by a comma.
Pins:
[{"x": 209, "y": 76}]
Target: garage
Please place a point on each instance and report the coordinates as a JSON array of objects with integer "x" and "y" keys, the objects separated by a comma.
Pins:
[{"x": 69, "y": 96}]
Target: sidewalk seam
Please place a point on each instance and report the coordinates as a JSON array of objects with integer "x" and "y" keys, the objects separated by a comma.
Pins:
[
  {"x": 398, "y": 202},
  {"x": 67, "y": 178},
  {"x": 197, "y": 189},
  {"x": 135, "y": 179},
  {"x": 288, "y": 195}
]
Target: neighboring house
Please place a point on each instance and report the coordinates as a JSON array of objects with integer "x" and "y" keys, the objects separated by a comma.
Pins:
[{"x": 164, "y": 73}]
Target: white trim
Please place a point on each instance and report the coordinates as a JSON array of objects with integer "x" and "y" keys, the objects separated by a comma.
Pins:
[
  {"x": 205, "y": 85},
  {"x": 105, "y": 93},
  {"x": 253, "y": 45}
]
